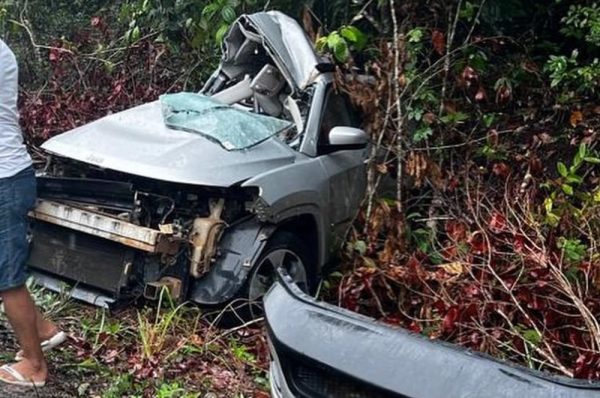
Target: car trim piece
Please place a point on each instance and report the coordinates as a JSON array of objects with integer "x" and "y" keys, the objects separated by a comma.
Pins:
[
  {"x": 100, "y": 225},
  {"x": 396, "y": 360},
  {"x": 76, "y": 292}
]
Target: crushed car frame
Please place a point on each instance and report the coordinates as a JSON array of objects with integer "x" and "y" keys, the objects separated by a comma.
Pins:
[{"x": 129, "y": 205}]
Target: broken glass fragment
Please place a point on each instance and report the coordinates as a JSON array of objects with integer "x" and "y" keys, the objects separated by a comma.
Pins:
[{"x": 232, "y": 128}]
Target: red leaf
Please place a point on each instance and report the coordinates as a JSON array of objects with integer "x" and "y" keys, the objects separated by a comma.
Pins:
[
  {"x": 96, "y": 21},
  {"x": 477, "y": 243},
  {"x": 469, "y": 76},
  {"x": 481, "y": 95},
  {"x": 587, "y": 366},
  {"x": 497, "y": 222},
  {"x": 471, "y": 290},
  {"x": 439, "y": 42},
  {"x": 54, "y": 55},
  {"x": 519, "y": 243},
  {"x": 450, "y": 319},
  {"x": 501, "y": 169},
  {"x": 415, "y": 327},
  {"x": 456, "y": 230},
  {"x": 503, "y": 94}
]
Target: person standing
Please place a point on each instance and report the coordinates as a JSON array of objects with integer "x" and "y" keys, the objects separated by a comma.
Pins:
[{"x": 17, "y": 196}]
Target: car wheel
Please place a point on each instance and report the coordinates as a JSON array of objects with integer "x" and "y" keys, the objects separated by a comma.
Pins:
[{"x": 285, "y": 250}]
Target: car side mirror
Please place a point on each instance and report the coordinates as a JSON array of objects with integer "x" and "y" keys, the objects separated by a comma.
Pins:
[{"x": 347, "y": 138}]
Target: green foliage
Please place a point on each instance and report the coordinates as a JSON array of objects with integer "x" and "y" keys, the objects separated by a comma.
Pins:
[
  {"x": 454, "y": 118},
  {"x": 422, "y": 238},
  {"x": 120, "y": 386},
  {"x": 574, "y": 251},
  {"x": 153, "y": 335},
  {"x": 342, "y": 42},
  {"x": 531, "y": 336},
  {"x": 576, "y": 73},
  {"x": 193, "y": 23},
  {"x": 569, "y": 195},
  {"x": 569, "y": 73},
  {"x": 241, "y": 352},
  {"x": 422, "y": 133},
  {"x": 499, "y": 14},
  {"x": 415, "y": 35},
  {"x": 174, "y": 390},
  {"x": 571, "y": 175},
  {"x": 4, "y": 13},
  {"x": 491, "y": 152},
  {"x": 583, "y": 23}
]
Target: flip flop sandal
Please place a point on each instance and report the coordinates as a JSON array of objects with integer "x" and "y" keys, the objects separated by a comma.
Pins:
[
  {"x": 19, "y": 380},
  {"x": 47, "y": 345}
]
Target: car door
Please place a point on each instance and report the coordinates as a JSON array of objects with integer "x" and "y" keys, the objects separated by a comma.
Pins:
[{"x": 345, "y": 169}]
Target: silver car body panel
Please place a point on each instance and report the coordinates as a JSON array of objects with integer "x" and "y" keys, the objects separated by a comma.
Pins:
[
  {"x": 299, "y": 189},
  {"x": 289, "y": 45},
  {"x": 136, "y": 141},
  {"x": 328, "y": 187}
]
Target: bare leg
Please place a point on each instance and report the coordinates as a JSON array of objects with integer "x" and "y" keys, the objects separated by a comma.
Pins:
[
  {"x": 21, "y": 312},
  {"x": 45, "y": 328}
]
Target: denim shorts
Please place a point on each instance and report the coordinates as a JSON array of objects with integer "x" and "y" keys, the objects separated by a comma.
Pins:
[{"x": 17, "y": 196}]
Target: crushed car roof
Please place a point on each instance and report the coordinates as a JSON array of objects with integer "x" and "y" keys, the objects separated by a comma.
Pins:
[{"x": 289, "y": 45}]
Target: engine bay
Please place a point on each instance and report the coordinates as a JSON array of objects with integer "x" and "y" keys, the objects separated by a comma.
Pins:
[{"x": 146, "y": 234}]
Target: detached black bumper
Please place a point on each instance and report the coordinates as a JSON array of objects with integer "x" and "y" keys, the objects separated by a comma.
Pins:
[{"x": 319, "y": 350}]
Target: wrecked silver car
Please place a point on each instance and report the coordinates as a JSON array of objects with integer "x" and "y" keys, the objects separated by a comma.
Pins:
[{"x": 206, "y": 194}]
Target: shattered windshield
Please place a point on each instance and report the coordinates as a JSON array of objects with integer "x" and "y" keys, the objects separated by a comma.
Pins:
[{"x": 232, "y": 128}]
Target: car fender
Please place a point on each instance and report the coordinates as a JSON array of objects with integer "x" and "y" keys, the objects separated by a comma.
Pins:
[
  {"x": 238, "y": 251},
  {"x": 295, "y": 190}
]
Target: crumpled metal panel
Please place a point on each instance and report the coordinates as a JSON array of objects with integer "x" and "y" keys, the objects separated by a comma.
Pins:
[
  {"x": 239, "y": 249},
  {"x": 97, "y": 224},
  {"x": 137, "y": 142},
  {"x": 76, "y": 292},
  {"x": 397, "y": 361},
  {"x": 288, "y": 43}
]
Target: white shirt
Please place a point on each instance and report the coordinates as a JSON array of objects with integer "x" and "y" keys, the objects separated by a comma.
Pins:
[{"x": 13, "y": 154}]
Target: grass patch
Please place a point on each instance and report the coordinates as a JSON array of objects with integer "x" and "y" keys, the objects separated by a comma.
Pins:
[{"x": 163, "y": 350}]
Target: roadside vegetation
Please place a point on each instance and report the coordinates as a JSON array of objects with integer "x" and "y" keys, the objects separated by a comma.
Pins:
[
  {"x": 164, "y": 351},
  {"x": 482, "y": 220},
  {"x": 482, "y": 217}
]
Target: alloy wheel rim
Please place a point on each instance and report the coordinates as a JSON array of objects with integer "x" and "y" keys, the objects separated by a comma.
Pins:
[{"x": 264, "y": 275}]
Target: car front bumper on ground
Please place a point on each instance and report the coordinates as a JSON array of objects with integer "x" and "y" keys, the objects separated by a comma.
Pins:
[{"x": 319, "y": 350}]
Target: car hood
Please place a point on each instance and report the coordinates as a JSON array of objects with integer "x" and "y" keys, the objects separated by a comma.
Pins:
[
  {"x": 287, "y": 42},
  {"x": 136, "y": 141}
]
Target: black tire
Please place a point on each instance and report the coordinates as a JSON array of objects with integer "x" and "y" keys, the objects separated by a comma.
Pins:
[{"x": 248, "y": 306}]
